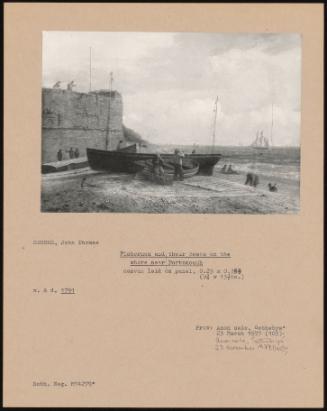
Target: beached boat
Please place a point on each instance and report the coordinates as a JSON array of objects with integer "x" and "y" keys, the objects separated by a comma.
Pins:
[
  {"x": 64, "y": 165},
  {"x": 128, "y": 160},
  {"x": 131, "y": 162},
  {"x": 190, "y": 169}
]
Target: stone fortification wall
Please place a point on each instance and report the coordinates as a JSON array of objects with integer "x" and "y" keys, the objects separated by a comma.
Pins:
[{"x": 79, "y": 120}]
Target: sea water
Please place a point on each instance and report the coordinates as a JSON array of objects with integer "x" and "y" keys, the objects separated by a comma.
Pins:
[{"x": 276, "y": 162}]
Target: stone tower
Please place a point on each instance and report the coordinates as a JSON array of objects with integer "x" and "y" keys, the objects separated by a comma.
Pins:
[{"x": 79, "y": 120}]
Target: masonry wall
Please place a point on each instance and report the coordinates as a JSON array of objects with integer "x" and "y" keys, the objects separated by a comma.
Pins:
[{"x": 79, "y": 120}]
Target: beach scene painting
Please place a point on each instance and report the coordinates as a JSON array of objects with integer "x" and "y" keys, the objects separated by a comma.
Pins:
[{"x": 193, "y": 123}]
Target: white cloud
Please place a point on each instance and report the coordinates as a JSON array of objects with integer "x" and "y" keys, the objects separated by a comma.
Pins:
[{"x": 169, "y": 81}]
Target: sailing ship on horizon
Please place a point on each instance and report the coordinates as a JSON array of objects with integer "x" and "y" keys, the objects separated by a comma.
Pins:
[{"x": 261, "y": 141}]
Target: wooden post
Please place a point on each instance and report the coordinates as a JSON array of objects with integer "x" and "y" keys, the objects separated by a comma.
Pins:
[
  {"x": 90, "y": 69},
  {"x": 214, "y": 123},
  {"x": 272, "y": 124}
]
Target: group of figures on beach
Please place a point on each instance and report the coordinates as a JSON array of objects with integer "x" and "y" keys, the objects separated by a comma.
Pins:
[
  {"x": 228, "y": 169},
  {"x": 158, "y": 165},
  {"x": 72, "y": 153},
  {"x": 252, "y": 179}
]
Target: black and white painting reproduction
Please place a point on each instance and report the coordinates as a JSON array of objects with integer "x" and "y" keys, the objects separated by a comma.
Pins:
[{"x": 171, "y": 122}]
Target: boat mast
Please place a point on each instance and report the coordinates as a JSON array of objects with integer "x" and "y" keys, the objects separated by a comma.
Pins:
[
  {"x": 90, "y": 69},
  {"x": 214, "y": 123},
  {"x": 272, "y": 124},
  {"x": 109, "y": 104}
]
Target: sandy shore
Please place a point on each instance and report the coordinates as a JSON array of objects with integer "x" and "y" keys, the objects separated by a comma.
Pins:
[{"x": 124, "y": 193}]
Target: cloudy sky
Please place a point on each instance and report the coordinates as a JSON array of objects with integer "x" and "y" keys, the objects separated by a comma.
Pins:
[{"x": 169, "y": 81}]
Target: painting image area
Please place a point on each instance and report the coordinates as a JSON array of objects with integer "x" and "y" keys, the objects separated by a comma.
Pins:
[{"x": 201, "y": 123}]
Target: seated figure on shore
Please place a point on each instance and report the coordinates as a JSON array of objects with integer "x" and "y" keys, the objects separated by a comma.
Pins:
[
  {"x": 223, "y": 169},
  {"x": 272, "y": 187},
  {"x": 230, "y": 170}
]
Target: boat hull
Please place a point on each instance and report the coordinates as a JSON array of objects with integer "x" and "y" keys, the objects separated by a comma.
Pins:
[
  {"x": 190, "y": 170},
  {"x": 128, "y": 162},
  {"x": 64, "y": 165}
]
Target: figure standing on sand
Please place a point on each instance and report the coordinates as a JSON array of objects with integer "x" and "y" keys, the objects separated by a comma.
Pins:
[
  {"x": 71, "y": 152},
  {"x": 252, "y": 179},
  {"x": 178, "y": 164},
  {"x": 60, "y": 155},
  {"x": 158, "y": 164}
]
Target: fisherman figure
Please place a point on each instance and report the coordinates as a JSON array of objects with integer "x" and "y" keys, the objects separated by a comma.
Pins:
[
  {"x": 59, "y": 155},
  {"x": 255, "y": 181},
  {"x": 71, "y": 85},
  {"x": 252, "y": 179},
  {"x": 57, "y": 85},
  {"x": 71, "y": 152},
  {"x": 76, "y": 152},
  {"x": 158, "y": 164},
  {"x": 178, "y": 165}
]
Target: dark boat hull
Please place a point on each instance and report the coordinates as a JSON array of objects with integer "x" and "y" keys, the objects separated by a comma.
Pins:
[{"x": 128, "y": 162}]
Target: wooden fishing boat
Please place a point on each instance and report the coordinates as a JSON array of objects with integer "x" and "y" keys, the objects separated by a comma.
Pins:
[
  {"x": 148, "y": 174},
  {"x": 189, "y": 170},
  {"x": 131, "y": 162},
  {"x": 128, "y": 160},
  {"x": 64, "y": 165}
]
